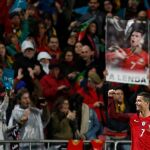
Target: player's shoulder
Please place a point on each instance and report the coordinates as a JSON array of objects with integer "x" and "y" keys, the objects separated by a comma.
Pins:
[
  {"x": 144, "y": 54},
  {"x": 134, "y": 117},
  {"x": 137, "y": 117}
]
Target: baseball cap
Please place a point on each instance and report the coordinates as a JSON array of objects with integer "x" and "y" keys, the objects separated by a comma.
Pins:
[
  {"x": 27, "y": 45},
  {"x": 42, "y": 55}
]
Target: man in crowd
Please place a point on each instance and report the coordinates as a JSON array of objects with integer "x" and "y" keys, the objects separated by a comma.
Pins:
[{"x": 29, "y": 120}]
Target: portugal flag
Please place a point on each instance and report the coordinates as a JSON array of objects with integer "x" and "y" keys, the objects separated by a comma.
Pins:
[{"x": 82, "y": 28}]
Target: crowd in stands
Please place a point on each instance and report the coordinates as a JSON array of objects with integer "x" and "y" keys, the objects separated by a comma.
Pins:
[{"x": 56, "y": 49}]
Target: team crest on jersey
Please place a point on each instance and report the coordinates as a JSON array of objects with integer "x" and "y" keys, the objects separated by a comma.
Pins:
[{"x": 143, "y": 123}]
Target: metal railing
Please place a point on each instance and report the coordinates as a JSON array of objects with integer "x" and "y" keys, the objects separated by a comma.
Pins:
[{"x": 50, "y": 142}]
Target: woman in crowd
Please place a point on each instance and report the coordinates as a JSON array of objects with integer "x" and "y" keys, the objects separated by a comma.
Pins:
[
  {"x": 5, "y": 60},
  {"x": 61, "y": 121},
  {"x": 87, "y": 124}
]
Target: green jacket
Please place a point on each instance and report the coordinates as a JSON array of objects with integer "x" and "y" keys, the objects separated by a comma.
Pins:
[{"x": 60, "y": 128}]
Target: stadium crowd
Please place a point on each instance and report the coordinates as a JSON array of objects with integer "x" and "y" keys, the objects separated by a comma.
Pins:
[{"x": 56, "y": 49}]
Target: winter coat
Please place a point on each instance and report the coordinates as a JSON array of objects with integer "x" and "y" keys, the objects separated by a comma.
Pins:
[
  {"x": 32, "y": 129},
  {"x": 89, "y": 123},
  {"x": 23, "y": 62},
  {"x": 49, "y": 86},
  {"x": 60, "y": 128},
  {"x": 3, "y": 127},
  {"x": 90, "y": 98}
]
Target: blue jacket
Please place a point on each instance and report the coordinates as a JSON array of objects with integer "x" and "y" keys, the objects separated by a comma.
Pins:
[{"x": 94, "y": 126}]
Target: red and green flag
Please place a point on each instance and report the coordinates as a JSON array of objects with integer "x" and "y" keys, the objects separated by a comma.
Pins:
[{"x": 82, "y": 28}]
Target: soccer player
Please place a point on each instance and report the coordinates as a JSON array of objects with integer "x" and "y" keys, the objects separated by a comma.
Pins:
[
  {"x": 139, "y": 122},
  {"x": 132, "y": 58}
]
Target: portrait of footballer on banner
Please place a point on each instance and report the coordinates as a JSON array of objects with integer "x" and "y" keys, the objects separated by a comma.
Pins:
[{"x": 127, "y": 56}]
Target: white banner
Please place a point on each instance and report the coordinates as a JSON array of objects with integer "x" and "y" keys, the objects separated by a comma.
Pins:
[
  {"x": 127, "y": 77},
  {"x": 127, "y": 54}
]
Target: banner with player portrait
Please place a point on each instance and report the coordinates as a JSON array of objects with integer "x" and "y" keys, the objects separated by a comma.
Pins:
[{"x": 127, "y": 51}]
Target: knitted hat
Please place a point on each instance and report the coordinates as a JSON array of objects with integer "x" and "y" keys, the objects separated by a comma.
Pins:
[
  {"x": 27, "y": 45},
  {"x": 94, "y": 77},
  {"x": 42, "y": 55}
]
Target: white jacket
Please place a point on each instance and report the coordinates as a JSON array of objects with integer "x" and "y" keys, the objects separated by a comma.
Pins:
[
  {"x": 3, "y": 127},
  {"x": 32, "y": 129}
]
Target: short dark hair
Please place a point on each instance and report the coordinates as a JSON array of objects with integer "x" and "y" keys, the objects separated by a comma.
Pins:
[
  {"x": 53, "y": 36},
  {"x": 59, "y": 101},
  {"x": 141, "y": 28},
  {"x": 21, "y": 92},
  {"x": 140, "y": 31},
  {"x": 146, "y": 96},
  {"x": 76, "y": 101}
]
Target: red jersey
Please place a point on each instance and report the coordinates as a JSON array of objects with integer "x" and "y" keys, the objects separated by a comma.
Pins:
[
  {"x": 135, "y": 61},
  {"x": 140, "y": 132}
]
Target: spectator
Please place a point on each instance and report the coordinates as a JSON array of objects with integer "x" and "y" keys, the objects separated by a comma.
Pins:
[
  {"x": 29, "y": 120},
  {"x": 33, "y": 18},
  {"x": 60, "y": 127},
  {"x": 41, "y": 37},
  {"x": 132, "y": 9},
  {"x": 117, "y": 129},
  {"x": 142, "y": 15},
  {"x": 87, "y": 55},
  {"x": 53, "y": 48},
  {"x": 92, "y": 39},
  {"x": 4, "y": 100},
  {"x": 109, "y": 8},
  {"x": 19, "y": 25},
  {"x": 78, "y": 47},
  {"x": 71, "y": 41},
  {"x": 54, "y": 84},
  {"x": 95, "y": 13},
  {"x": 87, "y": 123},
  {"x": 48, "y": 20},
  {"x": 44, "y": 59},
  {"x": 68, "y": 64},
  {"x": 91, "y": 98},
  {"x": 5, "y": 60},
  {"x": 13, "y": 46},
  {"x": 26, "y": 60},
  {"x": 80, "y": 63}
]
